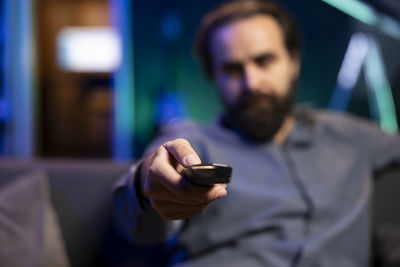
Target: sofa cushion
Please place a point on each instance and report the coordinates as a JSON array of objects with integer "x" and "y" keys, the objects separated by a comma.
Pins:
[{"x": 29, "y": 227}]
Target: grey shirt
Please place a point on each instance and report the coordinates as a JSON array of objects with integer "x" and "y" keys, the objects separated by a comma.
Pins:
[{"x": 304, "y": 203}]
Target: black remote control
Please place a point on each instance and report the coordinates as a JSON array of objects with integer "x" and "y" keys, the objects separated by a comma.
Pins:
[{"x": 209, "y": 174}]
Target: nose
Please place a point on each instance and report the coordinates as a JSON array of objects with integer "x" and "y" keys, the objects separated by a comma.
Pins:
[{"x": 251, "y": 79}]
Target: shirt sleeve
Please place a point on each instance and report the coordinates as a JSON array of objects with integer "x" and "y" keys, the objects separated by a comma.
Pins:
[
  {"x": 383, "y": 148},
  {"x": 135, "y": 218},
  {"x": 388, "y": 153}
]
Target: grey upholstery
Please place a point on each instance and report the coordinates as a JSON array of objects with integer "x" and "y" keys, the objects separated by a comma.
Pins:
[
  {"x": 81, "y": 195},
  {"x": 386, "y": 219},
  {"x": 30, "y": 233}
]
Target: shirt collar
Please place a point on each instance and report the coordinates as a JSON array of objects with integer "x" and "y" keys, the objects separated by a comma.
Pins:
[{"x": 302, "y": 132}]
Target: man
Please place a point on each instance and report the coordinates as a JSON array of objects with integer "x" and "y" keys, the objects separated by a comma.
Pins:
[{"x": 301, "y": 184}]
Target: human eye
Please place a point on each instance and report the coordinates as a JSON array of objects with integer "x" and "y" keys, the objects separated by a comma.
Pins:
[
  {"x": 265, "y": 60},
  {"x": 233, "y": 69}
]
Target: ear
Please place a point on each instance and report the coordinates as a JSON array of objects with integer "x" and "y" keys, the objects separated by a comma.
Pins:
[{"x": 296, "y": 64}]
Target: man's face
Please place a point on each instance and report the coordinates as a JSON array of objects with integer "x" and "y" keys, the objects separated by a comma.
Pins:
[
  {"x": 250, "y": 54},
  {"x": 254, "y": 73}
]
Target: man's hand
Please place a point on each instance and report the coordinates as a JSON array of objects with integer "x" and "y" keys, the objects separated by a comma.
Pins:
[{"x": 171, "y": 194}]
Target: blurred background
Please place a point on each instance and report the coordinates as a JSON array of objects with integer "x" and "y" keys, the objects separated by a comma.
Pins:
[{"x": 96, "y": 78}]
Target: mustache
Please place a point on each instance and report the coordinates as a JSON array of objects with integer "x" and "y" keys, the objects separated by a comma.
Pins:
[
  {"x": 258, "y": 116},
  {"x": 248, "y": 99}
]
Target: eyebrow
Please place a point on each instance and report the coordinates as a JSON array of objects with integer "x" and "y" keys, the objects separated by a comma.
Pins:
[
  {"x": 232, "y": 64},
  {"x": 238, "y": 65},
  {"x": 265, "y": 56},
  {"x": 269, "y": 56}
]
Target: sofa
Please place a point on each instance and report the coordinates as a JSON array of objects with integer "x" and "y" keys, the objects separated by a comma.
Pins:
[{"x": 80, "y": 192}]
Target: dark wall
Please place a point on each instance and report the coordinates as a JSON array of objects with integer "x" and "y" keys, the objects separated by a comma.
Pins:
[{"x": 164, "y": 64}]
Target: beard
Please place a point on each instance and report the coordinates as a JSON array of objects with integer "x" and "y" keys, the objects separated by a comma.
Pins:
[{"x": 259, "y": 116}]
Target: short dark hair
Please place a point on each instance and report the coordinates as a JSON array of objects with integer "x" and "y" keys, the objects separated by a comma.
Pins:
[{"x": 232, "y": 11}]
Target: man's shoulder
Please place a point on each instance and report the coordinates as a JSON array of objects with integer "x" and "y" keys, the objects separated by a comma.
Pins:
[
  {"x": 342, "y": 119},
  {"x": 344, "y": 124}
]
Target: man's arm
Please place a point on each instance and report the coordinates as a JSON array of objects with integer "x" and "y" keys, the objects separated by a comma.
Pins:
[
  {"x": 385, "y": 151},
  {"x": 149, "y": 201},
  {"x": 134, "y": 216}
]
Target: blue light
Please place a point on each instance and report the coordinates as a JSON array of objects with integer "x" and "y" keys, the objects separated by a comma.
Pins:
[
  {"x": 356, "y": 9},
  {"x": 3, "y": 114},
  {"x": 19, "y": 78},
  {"x": 124, "y": 97},
  {"x": 364, "y": 51},
  {"x": 349, "y": 71},
  {"x": 170, "y": 106},
  {"x": 366, "y": 14},
  {"x": 171, "y": 26},
  {"x": 380, "y": 92}
]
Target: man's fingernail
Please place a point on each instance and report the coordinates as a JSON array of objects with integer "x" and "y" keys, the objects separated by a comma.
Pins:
[{"x": 190, "y": 160}]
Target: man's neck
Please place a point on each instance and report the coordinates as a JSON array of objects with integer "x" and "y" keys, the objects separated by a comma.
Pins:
[{"x": 283, "y": 133}]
